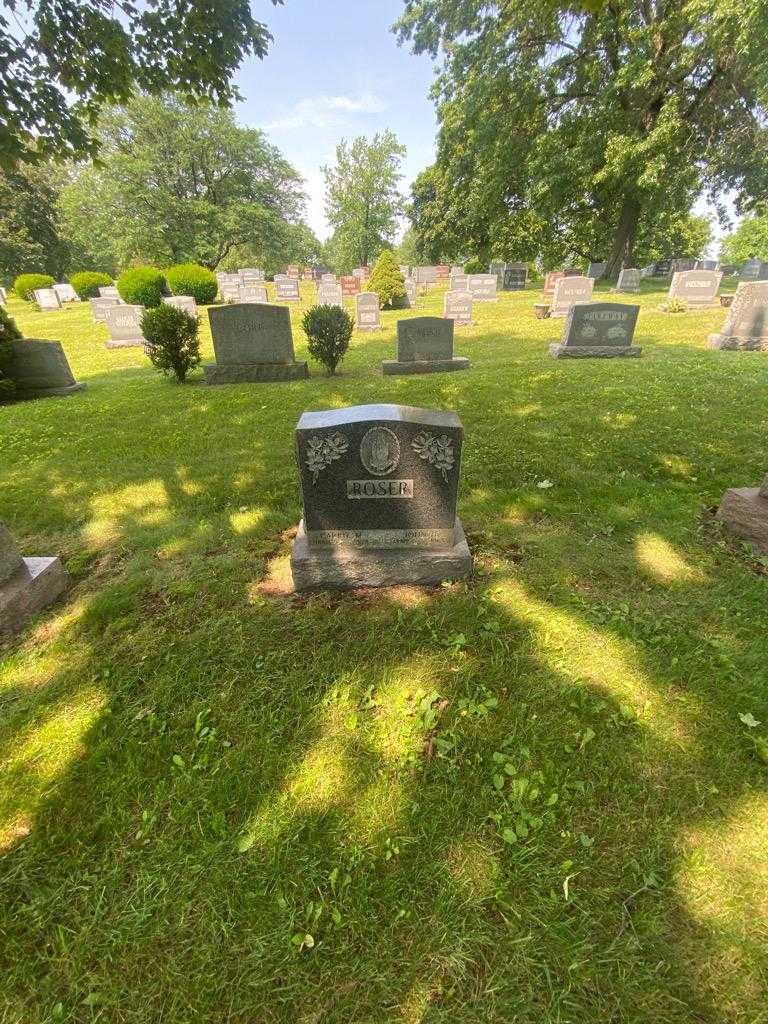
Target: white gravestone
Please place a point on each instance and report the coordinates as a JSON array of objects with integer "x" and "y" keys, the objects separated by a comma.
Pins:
[
  {"x": 109, "y": 292},
  {"x": 124, "y": 326},
  {"x": 47, "y": 299},
  {"x": 66, "y": 293},
  {"x": 482, "y": 287},
  {"x": 250, "y": 293},
  {"x": 457, "y": 306},
  {"x": 697, "y": 288},
  {"x": 568, "y": 292},
  {"x": 100, "y": 306},
  {"x": 367, "y": 311},
  {"x": 185, "y": 302},
  {"x": 287, "y": 289},
  {"x": 330, "y": 295}
]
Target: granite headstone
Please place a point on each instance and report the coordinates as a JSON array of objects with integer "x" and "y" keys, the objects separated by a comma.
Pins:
[
  {"x": 745, "y": 511},
  {"x": 629, "y": 281},
  {"x": 27, "y": 585},
  {"x": 124, "y": 326},
  {"x": 457, "y": 306},
  {"x": 288, "y": 289},
  {"x": 47, "y": 299},
  {"x": 40, "y": 369},
  {"x": 253, "y": 343},
  {"x": 482, "y": 287},
  {"x": 746, "y": 325},
  {"x": 424, "y": 345},
  {"x": 697, "y": 288},
  {"x": 367, "y": 311},
  {"x": 569, "y": 291},
  {"x": 598, "y": 330},
  {"x": 183, "y": 302}
]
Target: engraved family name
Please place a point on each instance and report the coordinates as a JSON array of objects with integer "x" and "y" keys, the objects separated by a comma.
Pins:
[{"x": 379, "y": 488}]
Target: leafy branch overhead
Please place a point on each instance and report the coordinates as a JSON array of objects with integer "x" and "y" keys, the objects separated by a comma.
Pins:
[{"x": 102, "y": 52}]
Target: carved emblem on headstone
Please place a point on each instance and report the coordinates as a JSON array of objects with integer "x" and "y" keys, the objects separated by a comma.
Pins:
[
  {"x": 437, "y": 451},
  {"x": 380, "y": 451},
  {"x": 322, "y": 451}
]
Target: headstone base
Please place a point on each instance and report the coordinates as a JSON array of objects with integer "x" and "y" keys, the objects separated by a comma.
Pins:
[
  {"x": 738, "y": 343},
  {"x": 745, "y": 511},
  {"x": 69, "y": 389},
  {"x": 393, "y": 366},
  {"x": 254, "y": 373},
  {"x": 36, "y": 585},
  {"x": 625, "y": 291},
  {"x": 594, "y": 351},
  {"x": 347, "y": 569},
  {"x": 128, "y": 343}
]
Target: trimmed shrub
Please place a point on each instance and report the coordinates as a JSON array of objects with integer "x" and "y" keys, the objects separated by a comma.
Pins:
[
  {"x": 171, "y": 340},
  {"x": 192, "y": 279},
  {"x": 87, "y": 283},
  {"x": 141, "y": 286},
  {"x": 8, "y": 332},
  {"x": 475, "y": 266},
  {"x": 328, "y": 330},
  {"x": 387, "y": 281},
  {"x": 26, "y": 284}
]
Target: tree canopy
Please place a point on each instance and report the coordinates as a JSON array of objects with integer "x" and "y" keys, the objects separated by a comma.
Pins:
[
  {"x": 748, "y": 241},
  {"x": 362, "y": 198},
  {"x": 569, "y": 132},
  {"x": 102, "y": 51},
  {"x": 179, "y": 183},
  {"x": 30, "y": 237}
]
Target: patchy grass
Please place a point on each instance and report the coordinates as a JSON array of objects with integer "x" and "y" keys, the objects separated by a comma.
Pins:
[{"x": 527, "y": 799}]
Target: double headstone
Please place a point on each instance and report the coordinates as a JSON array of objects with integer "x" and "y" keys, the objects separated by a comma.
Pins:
[
  {"x": 47, "y": 299},
  {"x": 598, "y": 330},
  {"x": 482, "y": 287},
  {"x": 746, "y": 326},
  {"x": 425, "y": 275},
  {"x": 330, "y": 294},
  {"x": 183, "y": 302},
  {"x": 379, "y": 486},
  {"x": 424, "y": 345},
  {"x": 697, "y": 288},
  {"x": 40, "y": 369},
  {"x": 629, "y": 281},
  {"x": 569, "y": 291},
  {"x": 367, "y": 311},
  {"x": 252, "y": 343},
  {"x": 287, "y": 289},
  {"x": 27, "y": 585},
  {"x": 124, "y": 326},
  {"x": 457, "y": 306}
]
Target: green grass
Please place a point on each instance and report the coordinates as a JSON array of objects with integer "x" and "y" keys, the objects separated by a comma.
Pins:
[{"x": 197, "y": 772}]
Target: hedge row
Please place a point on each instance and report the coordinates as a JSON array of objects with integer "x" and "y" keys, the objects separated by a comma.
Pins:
[{"x": 141, "y": 286}]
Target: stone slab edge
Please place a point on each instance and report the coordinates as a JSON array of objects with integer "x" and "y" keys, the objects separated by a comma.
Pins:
[
  {"x": 737, "y": 343},
  {"x": 30, "y": 590},
  {"x": 392, "y": 366},
  {"x": 70, "y": 389},
  {"x": 594, "y": 352},
  {"x": 254, "y": 373},
  {"x": 745, "y": 511},
  {"x": 333, "y": 569}
]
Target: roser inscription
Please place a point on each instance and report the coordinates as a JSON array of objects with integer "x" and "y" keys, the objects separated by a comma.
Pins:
[{"x": 379, "y": 488}]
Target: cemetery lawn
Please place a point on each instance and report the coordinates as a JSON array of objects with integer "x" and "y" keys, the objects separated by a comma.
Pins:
[{"x": 535, "y": 798}]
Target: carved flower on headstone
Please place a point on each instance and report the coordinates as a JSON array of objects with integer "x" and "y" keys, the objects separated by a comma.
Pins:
[
  {"x": 437, "y": 451},
  {"x": 322, "y": 450}
]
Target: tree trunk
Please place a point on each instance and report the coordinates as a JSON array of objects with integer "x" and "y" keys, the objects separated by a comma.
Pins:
[{"x": 622, "y": 253}]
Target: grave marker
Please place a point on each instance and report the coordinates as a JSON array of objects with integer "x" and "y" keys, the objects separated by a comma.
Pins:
[
  {"x": 379, "y": 486},
  {"x": 457, "y": 306},
  {"x": 47, "y": 299},
  {"x": 253, "y": 343},
  {"x": 100, "y": 306},
  {"x": 367, "y": 311},
  {"x": 697, "y": 288},
  {"x": 746, "y": 325},
  {"x": 424, "y": 345},
  {"x": 745, "y": 511},
  {"x": 40, "y": 369},
  {"x": 66, "y": 293},
  {"x": 330, "y": 295},
  {"x": 482, "y": 287},
  {"x": 515, "y": 277},
  {"x": 629, "y": 281},
  {"x": 287, "y": 289},
  {"x": 124, "y": 326},
  {"x": 27, "y": 585},
  {"x": 350, "y": 285},
  {"x": 598, "y": 330},
  {"x": 551, "y": 279},
  {"x": 185, "y": 302},
  {"x": 568, "y": 292},
  {"x": 596, "y": 270}
]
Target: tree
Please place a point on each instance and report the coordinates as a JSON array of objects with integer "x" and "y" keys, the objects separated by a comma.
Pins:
[
  {"x": 102, "y": 51},
  {"x": 386, "y": 280},
  {"x": 178, "y": 184},
  {"x": 30, "y": 238},
  {"x": 576, "y": 132},
  {"x": 748, "y": 241},
  {"x": 362, "y": 198}
]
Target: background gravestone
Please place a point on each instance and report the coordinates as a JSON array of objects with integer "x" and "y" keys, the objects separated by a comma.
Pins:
[
  {"x": 109, "y": 291},
  {"x": 230, "y": 291},
  {"x": 662, "y": 268},
  {"x": 698, "y": 288},
  {"x": 124, "y": 326},
  {"x": 367, "y": 311},
  {"x": 380, "y": 487},
  {"x": 497, "y": 268},
  {"x": 746, "y": 325},
  {"x": 350, "y": 285},
  {"x": 424, "y": 345},
  {"x": 443, "y": 271},
  {"x": 550, "y": 280},
  {"x": 682, "y": 265},
  {"x": 330, "y": 295},
  {"x": 409, "y": 302},
  {"x": 598, "y": 330},
  {"x": 184, "y": 302},
  {"x": 253, "y": 343},
  {"x": 425, "y": 275},
  {"x": 754, "y": 270},
  {"x": 66, "y": 293},
  {"x": 253, "y": 292},
  {"x": 515, "y": 277},
  {"x": 40, "y": 369},
  {"x": 251, "y": 275},
  {"x": 27, "y": 585},
  {"x": 629, "y": 281},
  {"x": 482, "y": 287},
  {"x": 569, "y": 291},
  {"x": 288, "y": 289},
  {"x": 457, "y": 306},
  {"x": 596, "y": 270},
  {"x": 3, "y": 296},
  {"x": 47, "y": 299},
  {"x": 707, "y": 265},
  {"x": 745, "y": 511},
  {"x": 100, "y": 306}
]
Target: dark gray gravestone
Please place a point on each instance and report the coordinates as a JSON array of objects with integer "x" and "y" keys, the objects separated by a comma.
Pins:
[
  {"x": 596, "y": 270},
  {"x": 497, "y": 268},
  {"x": 253, "y": 343},
  {"x": 682, "y": 265},
  {"x": 746, "y": 326},
  {"x": 515, "y": 277},
  {"x": 745, "y": 511},
  {"x": 598, "y": 330},
  {"x": 424, "y": 345},
  {"x": 379, "y": 486},
  {"x": 40, "y": 369},
  {"x": 754, "y": 270},
  {"x": 26, "y": 584},
  {"x": 662, "y": 268},
  {"x": 629, "y": 281},
  {"x": 124, "y": 326}
]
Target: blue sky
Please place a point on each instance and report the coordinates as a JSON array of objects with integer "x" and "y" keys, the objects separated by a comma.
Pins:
[{"x": 335, "y": 71}]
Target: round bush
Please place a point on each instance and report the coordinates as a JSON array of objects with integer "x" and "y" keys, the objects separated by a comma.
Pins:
[
  {"x": 474, "y": 266},
  {"x": 141, "y": 286},
  {"x": 87, "y": 283},
  {"x": 26, "y": 284},
  {"x": 328, "y": 330},
  {"x": 171, "y": 340},
  {"x": 192, "y": 279}
]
